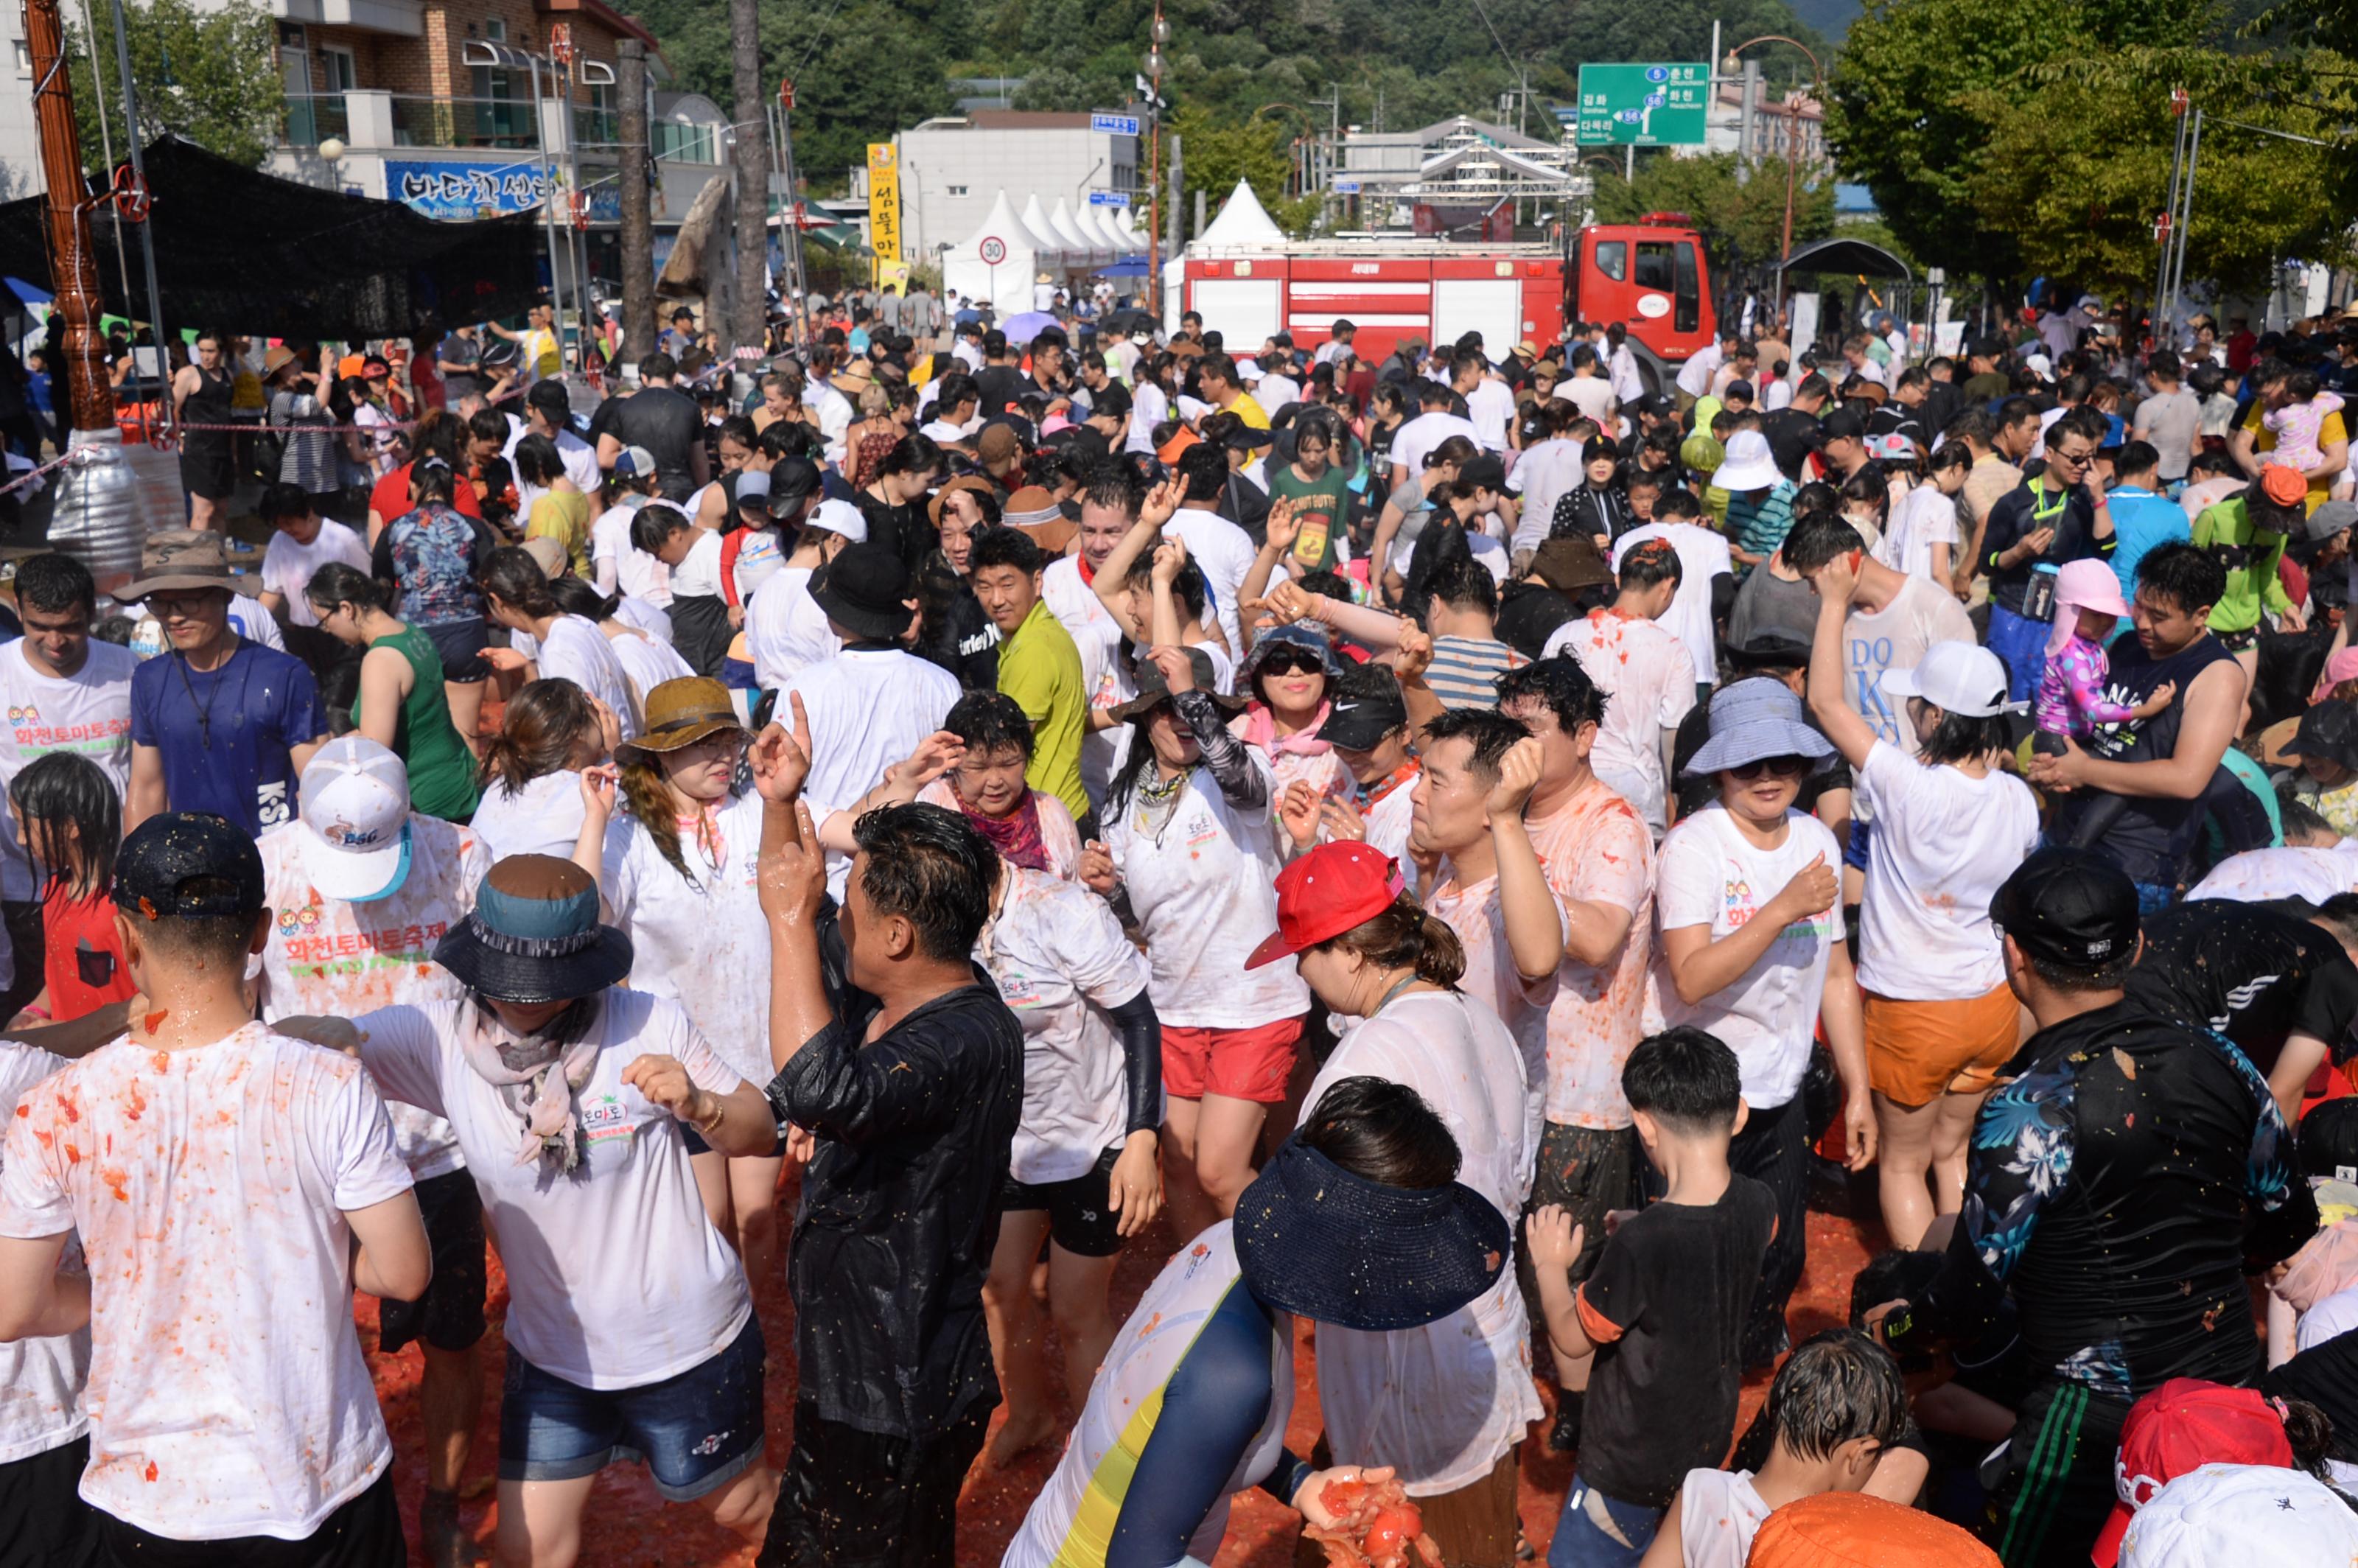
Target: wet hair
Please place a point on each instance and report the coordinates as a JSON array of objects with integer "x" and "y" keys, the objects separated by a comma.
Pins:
[
  {"x": 1963, "y": 737},
  {"x": 1867, "y": 486},
  {"x": 931, "y": 867},
  {"x": 538, "y": 461},
  {"x": 2189, "y": 577},
  {"x": 576, "y": 596},
  {"x": 1685, "y": 1079},
  {"x": 1678, "y": 504},
  {"x": 1466, "y": 585},
  {"x": 1205, "y": 467},
  {"x": 1816, "y": 538},
  {"x": 544, "y": 726},
  {"x": 655, "y": 523},
  {"x": 488, "y": 425},
  {"x": 1650, "y": 564},
  {"x": 1559, "y": 685},
  {"x": 54, "y": 583},
  {"x": 1490, "y": 732},
  {"x": 1111, "y": 487},
  {"x": 2300, "y": 819},
  {"x": 511, "y": 574},
  {"x": 989, "y": 722},
  {"x": 913, "y": 453},
  {"x": 1005, "y": 547},
  {"x": 1187, "y": 587},
  {"x": 1381, "y": 1132},
  {"x": 337, "y": 584},
  {"x": 286, "y": 501},
  {"x": 61, "y": 789},
  {"x": 221, "y": 939},
  {"x": 1403, "y": 935},
  {"x": 1898, "y": 1275},
  {"x": 2136, "y": 457},
  {"x": 1837, "y": 1387}
]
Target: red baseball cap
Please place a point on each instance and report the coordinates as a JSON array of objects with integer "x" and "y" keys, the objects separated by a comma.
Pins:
[
  {"x": 2179, "y": 1427},
  {"x": 1325, "y": 893}
]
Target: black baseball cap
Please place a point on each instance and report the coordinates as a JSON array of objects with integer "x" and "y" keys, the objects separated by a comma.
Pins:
[
  {"x": 2328, "y": 1147},
  {"x": 188, "y": 865},
  {"x": 2069, "y": 908},
  {"x": 1842, "y": 424},
  {"x": 793, "y": 481},
  {"x": 2327, "y": 732},
  {"x": 1359, "y": 722},
  {"x": 1486, "y": 470}
]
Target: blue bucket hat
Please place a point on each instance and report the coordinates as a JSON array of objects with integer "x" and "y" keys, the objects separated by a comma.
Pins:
[
  {"x": 1299, "y": 636},
  {"x": 1317, "y": 1241},
  {"x": 1753, "y": 720},
  {"x": 534, "y": 935}
]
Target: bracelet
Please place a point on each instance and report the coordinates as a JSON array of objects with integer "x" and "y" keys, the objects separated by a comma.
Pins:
[
  {"x": 720, "y": 1115},
  {"x": 42, "y": 1014}
]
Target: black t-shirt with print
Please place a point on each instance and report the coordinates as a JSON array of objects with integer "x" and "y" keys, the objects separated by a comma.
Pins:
[
  {"x": 2254, "y": 972},
  {"x": 1677, "y": 1281}
]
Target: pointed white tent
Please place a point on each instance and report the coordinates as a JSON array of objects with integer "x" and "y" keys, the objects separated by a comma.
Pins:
[
  {"x": 1133, "y": 238},
  {"x": 1243, "y": 223},
  {"x": 1007, "y": 284},
  {"x": 1100, "y": 230},
  {"x": 1051, "y": 247},
  {"x": 1080, "y": 254}
]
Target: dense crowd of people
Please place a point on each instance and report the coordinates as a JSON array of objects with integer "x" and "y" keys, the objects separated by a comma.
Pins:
[{"x": 1467, "y": 848}]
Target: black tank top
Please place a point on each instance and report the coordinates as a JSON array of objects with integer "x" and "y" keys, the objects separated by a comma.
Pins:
[
  {"x": 2150, "y": 838},
  {"x": 208, "y": 403}
]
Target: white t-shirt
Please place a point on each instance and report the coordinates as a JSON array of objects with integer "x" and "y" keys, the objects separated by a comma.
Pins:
[
  {"x": 1702, "y": 555},
  {"x": 1694, "y": 376},
  {"x": 576, "y": 650},
  {"x": 544, "y": 818},
  {"x": 1923, "y": 518},
  {"x": 1061, "y": 962},
  {"x": 1389, "y": 819},
  {"x": 287, "y": 566},
  {"x": 616, "y": 1276},
  {"x": 330, "y": 958},
  {"x": 1711, "y": 875},
  {"x": 703, "y": 942},
  {"x": 869, "y": 708},
  {"x": 1719, "y": 1513},
  {"x": 1073, "y": 602},
  {"x": 1648, "y": 680},
  {"x": 1204, "y": 890},
  {"x": 1226, "y": 553},
  {"x": 1490, "y": 408},
  {"x": 252, "y": 622},
  {"x": 786, "y": 631},
  {"x": 647, "y": 664},
  {"x": 637, "y": 575},
  {"x": 88, "y": 713},
  {"x": 1419, "y": 434},
  {"x": 1138, "y": 1365},
  {"x": 44, "y": 1378},
  {"x": 1943, "y": 842},
  {"x": 697, "y": 575},
  {"x": 2257, "y": 875},
  {"x": 1149, "y": 407},
  {"x": 1442, "y": 1404},
  {"x": 1472, "y": 910},
  {"x": 227, "y": 1393},
  {"x": 1895, "y": 638},
  {"x": 579, "y": 457},
  {"x": 1593, "y": 395},
  {"x": 1549, "y": 471}
]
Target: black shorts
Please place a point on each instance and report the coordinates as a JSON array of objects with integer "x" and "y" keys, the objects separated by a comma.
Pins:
[
  {"x": 450, "y": 1315},
  {"x": 2236, "y": 641},
  {"x": 1081, "y": 1218},
  {"x": 44, "y": 1523},
  {"x": 462, "y": 645},
  {"x": 364, "y": 1533},
  {"x": 849, "y": 1498},
  {"x": 206, "y": 469}
]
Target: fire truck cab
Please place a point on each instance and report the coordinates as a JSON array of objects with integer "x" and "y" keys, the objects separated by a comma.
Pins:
[{"x": 1651, "y": 275}]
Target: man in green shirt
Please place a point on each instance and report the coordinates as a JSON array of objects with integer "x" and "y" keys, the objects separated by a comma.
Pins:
[
  {"x": 1039, "y": 665},
  {"x": 2248, "y": 531}
]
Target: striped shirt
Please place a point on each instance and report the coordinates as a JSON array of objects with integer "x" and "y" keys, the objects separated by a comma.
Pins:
[{"x": 1466, "y": 670}]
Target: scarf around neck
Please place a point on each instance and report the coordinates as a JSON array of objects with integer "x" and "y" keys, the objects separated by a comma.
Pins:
[
  {"x": 1016, "y": 835},
  {"x": 1260, "y": 729},
  {"x": 536, "y": 1075}
]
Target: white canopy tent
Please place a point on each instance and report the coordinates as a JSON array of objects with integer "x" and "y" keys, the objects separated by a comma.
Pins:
[
  {"x": 1082, "y": 254},
  {"x": 1243, "y": 223},
  {"x": 1095, "y": 222},
  {"x": 1050, "y": 245},
  {"x": 1008, "y": 283}
]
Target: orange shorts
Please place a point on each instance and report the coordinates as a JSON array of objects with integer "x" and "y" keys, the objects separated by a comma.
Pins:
[
  {"x": 1917, "y": 1050},
  {"x": 1241, "y": 1064}
]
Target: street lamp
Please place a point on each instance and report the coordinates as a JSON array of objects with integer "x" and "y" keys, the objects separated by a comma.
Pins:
[
  {"x": 1159, "y": 39},
  {"x": 1728, "y": 66}
]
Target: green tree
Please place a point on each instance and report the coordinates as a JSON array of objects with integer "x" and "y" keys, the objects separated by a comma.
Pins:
[
  {"x": 1742, "y": 221},
  {"x": 1217, "y": 152},
  {"x": 210, "y": 76}
]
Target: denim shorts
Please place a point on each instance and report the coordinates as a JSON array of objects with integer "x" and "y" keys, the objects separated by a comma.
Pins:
[{"x": 696, "y": 1431}]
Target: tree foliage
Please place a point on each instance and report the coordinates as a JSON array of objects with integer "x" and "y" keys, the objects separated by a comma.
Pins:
[
  {"x": 1743, "y": 220},
  {"x": 210, "y": 75}
]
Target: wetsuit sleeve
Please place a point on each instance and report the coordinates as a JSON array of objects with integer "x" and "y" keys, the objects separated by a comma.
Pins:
[
  {"x": 1229, "y": 758},
  {"x": 1141, "y": 1061},
  {"x": 1212, "y": 1407},
  {"x": 2024, "y": 1143}
]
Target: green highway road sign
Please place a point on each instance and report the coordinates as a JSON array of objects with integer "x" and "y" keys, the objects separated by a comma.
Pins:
[{"x": 1648, "y": 105}]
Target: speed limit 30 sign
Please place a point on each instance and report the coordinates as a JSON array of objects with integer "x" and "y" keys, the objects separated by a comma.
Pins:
[{"x": 993, "y": 250}]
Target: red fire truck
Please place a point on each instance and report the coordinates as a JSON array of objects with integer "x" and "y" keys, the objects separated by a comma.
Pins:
[{"x": 1651, "y": 275}]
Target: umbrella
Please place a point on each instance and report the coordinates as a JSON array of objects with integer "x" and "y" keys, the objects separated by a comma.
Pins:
[
  {"x": 1121, "y": 323},
  {"x": 1024, "y": 328},
  {"x": 963, "y": 317}
]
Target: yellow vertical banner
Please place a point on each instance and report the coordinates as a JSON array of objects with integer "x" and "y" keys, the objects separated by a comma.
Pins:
[{"x": 883, "y": 206}]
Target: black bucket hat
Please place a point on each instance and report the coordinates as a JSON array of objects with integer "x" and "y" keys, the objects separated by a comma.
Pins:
[
  {"x": 1317, "y": 1241},
  {"x": 865, "y": 591},
  {"x": 1155, "y": 690},
  {"x": 534, "y": 935}
]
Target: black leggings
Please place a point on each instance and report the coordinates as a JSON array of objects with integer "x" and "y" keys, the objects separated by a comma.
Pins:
[{"x": 1774, "y": 1149}]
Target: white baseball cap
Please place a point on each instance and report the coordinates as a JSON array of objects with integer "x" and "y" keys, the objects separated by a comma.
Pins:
[
  {"x": 2253, "y": 1516},
  {"x": 355, "y": 844},
  {"x": 1958, "y": 677},
  {"x": 840, "y": 517}
]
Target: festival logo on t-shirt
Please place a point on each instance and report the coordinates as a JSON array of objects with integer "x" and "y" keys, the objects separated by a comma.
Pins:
[{"x": 606, "y": 1120}]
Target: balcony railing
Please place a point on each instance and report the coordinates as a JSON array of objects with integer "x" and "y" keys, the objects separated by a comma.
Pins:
[
  {"x": 421, "y": 122},
  {"x": 312, "y": 120}
]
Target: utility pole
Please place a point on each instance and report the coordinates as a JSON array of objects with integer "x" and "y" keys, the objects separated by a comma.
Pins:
[
  {"x": 638, "y": 214},
  {"x": 753, "y": 160},
  {"x": 89, "y": 401},
  {"x": 797, "y": 280}
]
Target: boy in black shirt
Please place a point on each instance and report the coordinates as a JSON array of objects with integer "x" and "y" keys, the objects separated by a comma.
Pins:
[{"x": 1663, "y": 1309}]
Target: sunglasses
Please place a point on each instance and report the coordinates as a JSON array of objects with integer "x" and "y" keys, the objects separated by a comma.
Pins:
[
  {"x": 1293, "y": 664},
  {"x": 1781, "y": 767}
]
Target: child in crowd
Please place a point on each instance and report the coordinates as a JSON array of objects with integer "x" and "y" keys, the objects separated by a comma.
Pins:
[
  {"x": 70, "y": 820},
  {"x": 2071, "y": 698},
  {"x": 2297, "y": 425},
  {"x": 1664, "y": 1311},
  {"x": 1836, "y": 1409}
]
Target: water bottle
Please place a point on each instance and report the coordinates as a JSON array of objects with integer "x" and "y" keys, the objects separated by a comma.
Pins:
[{"x": 2038, "y": 597}]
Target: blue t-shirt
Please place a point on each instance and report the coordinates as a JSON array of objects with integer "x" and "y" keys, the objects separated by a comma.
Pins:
[
  {"x": 226, "y": 735},
  {"x": 2142, "y": 521}
]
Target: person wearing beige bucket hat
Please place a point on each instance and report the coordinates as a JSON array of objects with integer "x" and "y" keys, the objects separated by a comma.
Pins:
[{"x": 217, "y": 723}]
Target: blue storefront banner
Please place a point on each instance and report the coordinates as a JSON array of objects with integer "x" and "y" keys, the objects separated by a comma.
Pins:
[{"x": 449, "y": 189}]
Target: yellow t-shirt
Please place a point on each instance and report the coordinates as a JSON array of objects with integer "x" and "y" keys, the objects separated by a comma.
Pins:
[
  {"x": 564, "y": 517},
  {"x": 2329, "y": 429}
]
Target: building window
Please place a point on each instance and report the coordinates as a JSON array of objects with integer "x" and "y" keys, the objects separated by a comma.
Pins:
[
  {"x": 495, "y": 30},
  {"x": 24, "y": 57},
  {"x": 954, "y": 190},
  {"x": 341, "y": 72}
]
